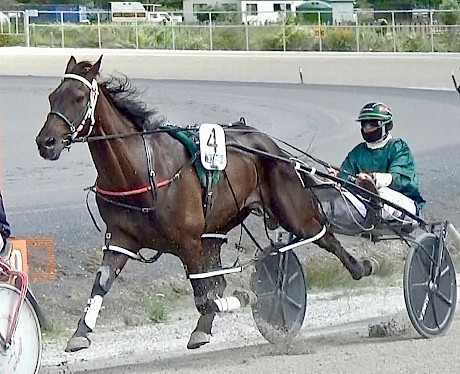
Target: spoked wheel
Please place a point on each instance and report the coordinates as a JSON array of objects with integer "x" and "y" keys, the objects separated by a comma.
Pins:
[
  {"x": 280, "y": 287},
  {"x": 24, "y": 354},
  {"x": 430, "y": 291}
]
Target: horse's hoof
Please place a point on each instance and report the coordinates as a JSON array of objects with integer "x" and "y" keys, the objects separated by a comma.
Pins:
[
  {"x": 76, "y": 343},
  {"x": 245, "y": 297},
  {"x": 368, "y": 267},
  {"x": 197, "y": 339}
]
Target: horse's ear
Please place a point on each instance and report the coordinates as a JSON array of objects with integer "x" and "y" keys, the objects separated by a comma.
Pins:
[
  {"x": 70, "y": 65},
  {"x": 94, "y": 70}
]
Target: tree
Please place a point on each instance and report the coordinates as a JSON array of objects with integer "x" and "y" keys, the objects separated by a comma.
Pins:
[
  {"x": 452, "y": 17},
  {"x": 171, "y": 4}
]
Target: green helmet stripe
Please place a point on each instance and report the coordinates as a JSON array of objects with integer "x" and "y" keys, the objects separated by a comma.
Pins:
[{"x": 375, "y": 110}]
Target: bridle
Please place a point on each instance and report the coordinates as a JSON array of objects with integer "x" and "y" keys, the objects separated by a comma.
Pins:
[{"x": 86, "y": 114}]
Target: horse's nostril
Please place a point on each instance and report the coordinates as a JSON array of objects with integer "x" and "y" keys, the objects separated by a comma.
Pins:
[{"x": 50, "y": 142}]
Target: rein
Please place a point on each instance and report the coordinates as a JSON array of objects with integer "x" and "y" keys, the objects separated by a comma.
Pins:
[{"x": 302, "y": 167}]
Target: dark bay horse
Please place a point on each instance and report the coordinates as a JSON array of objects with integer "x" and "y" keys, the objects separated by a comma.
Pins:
[{"x": 149, "y": 194}]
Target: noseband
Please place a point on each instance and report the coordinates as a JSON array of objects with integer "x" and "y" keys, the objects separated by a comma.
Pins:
[{"x": 87, "y": 113}]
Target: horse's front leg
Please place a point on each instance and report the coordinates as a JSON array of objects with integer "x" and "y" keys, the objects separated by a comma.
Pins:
[
  {"x": 110, "y": 268},
  {"x": 205, "y": 291}
]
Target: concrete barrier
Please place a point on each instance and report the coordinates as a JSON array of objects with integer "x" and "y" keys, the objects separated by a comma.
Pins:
[{"x": 363, "y": 69}]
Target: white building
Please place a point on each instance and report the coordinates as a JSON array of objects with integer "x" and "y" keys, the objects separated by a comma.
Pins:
[
  {"x": 343, "y": 10},
  {"x": 265, "y": 11},
  {"x": 4, "y": 21}
]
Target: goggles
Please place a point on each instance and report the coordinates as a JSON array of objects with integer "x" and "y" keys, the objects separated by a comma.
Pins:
[{"x": 371, "y": 124}]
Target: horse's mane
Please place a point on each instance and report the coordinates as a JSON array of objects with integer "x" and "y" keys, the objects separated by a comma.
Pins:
[{"x": 125, "y": 98}]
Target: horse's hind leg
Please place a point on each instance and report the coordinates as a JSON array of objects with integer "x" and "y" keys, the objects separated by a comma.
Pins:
[
  {"x": 111, "y": 266},
  {"x": 356, "y": 268},
  {"x": 296, "y": 209},
  {"x": 205, "y": 291}
]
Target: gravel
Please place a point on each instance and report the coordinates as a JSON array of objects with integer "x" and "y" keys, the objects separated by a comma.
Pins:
[{"x": 236, "y": 329}]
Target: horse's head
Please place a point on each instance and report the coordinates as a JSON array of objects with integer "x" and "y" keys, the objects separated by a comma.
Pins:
[{"x": 72, "y": 107}]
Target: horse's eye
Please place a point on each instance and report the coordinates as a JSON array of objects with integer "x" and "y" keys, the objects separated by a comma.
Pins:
[{"x": 80, "y": 98}]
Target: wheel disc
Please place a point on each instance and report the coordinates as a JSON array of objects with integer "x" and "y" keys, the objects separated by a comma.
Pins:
[
  {"x": 430, "y": 293},
  {"x": 24, "y": 354},
  {"x": 279, "y": 284}
]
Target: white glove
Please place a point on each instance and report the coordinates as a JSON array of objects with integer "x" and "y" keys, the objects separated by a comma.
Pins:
[
  {"x": 382, "y": 179},
  {"x": 333, "y": 172}
]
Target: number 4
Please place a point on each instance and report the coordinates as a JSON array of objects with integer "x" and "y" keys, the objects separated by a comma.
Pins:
[{"x": 212, "y": 140}]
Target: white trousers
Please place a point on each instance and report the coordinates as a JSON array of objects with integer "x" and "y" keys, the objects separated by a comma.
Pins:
[{"x": 388, "y": 212}]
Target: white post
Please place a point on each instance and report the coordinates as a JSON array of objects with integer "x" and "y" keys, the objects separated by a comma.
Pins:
[
  {"x": 357, "y": 31},
  {"x": 431, "y": 30},
  {"x": 99, "y": 40},
  {"x": 393, "y": 30},
  {"x": 26, "y": 28},
  {"x": 210, "y": 31},
  {"x": 284, "y": 31},
  {"x": 136, "y": 31},
  {"x": 62, "y": 30},
  {"x": 319, "y": 30},
  {"x": 246, "y": 27}
]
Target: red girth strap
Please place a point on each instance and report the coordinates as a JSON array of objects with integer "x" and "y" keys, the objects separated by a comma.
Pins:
[{"x": 135, "y": 191}]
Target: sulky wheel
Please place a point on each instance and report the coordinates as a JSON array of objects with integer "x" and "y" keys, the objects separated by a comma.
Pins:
[
  {"x": 279, "y": 285},
  {"x": 430, "y": 291},
  {"x": 24, "y": 353}
]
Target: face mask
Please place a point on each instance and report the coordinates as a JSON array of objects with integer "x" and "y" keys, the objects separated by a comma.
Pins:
[{"x": 374, "y": 136}]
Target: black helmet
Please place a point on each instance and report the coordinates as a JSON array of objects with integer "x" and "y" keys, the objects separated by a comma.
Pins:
[
  {"x": 377, "y": 111},
  {"x": 380, "y": 116}
]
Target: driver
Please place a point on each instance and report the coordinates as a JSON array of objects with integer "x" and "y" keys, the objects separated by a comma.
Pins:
[
  {"x": 387, "y": 161},
  {"x": 4, "y": 227}
]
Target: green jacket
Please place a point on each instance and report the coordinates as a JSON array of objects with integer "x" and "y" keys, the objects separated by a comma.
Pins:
[{"x": 394, "y": 158}]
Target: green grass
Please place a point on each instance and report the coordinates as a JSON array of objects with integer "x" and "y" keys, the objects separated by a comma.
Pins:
[
  {"x": 54, "y": 331},
  {"x": 155, "y": 308},
  {"x": 331, "y": 275}
]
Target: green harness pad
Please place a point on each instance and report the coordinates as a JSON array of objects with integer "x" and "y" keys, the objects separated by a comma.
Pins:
[{"x": 190, "y": 140}]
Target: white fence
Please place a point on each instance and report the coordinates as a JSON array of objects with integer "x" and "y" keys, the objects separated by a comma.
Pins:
[{"x": 389, "y": 31}]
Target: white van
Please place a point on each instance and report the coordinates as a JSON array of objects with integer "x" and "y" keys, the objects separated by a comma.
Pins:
[
  {"x": 164, "y": 17},
  {"x": 128, "y": 11}
]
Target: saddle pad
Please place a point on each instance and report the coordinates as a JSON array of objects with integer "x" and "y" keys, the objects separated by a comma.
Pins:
[{"x": 190, "y": 140}]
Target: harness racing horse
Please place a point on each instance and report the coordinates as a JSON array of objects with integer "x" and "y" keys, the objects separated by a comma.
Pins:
[{"x": 149, "y": 195}]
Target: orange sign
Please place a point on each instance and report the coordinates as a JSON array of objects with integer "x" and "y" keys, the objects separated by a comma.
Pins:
[
  {"x": 35, "y": 256},
  {"x": 320, "y": 32}
]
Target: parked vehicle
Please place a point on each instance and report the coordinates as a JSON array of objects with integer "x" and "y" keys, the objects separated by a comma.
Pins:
[
  {"x": 164, "y": 17},
  {"x": 134, "y": 11},
  {"x": 128, "y": 11}
]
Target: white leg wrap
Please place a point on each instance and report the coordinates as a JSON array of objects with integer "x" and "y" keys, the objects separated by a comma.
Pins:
[
  {"x": 92, "y": 311},
  {"x": 226, "y": 304}
]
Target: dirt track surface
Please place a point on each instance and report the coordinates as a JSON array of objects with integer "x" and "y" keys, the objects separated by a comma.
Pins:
[
  {"x": 45, "y": 198},
  {"x": 347, "y": 351}
]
